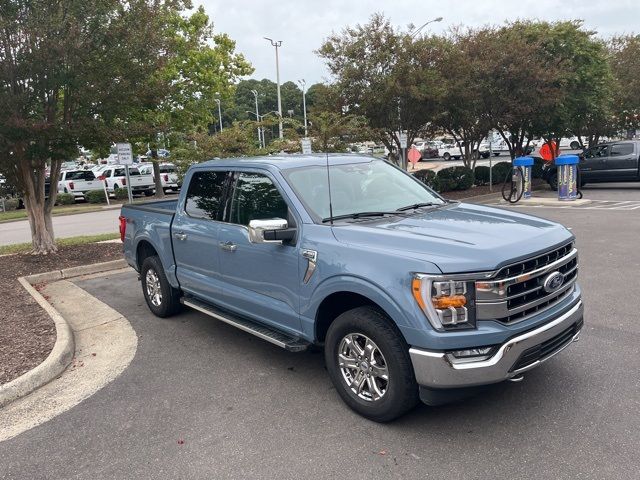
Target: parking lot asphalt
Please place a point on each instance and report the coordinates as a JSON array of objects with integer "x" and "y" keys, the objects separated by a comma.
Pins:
[
  {"x": 204, "y": 400},
  {"x": 64, "y": 226}
]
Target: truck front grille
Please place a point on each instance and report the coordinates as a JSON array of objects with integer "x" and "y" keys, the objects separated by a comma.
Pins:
[{"x": 517, "y": 291}]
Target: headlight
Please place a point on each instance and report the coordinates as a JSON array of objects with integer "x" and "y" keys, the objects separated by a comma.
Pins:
[{"x": 447, "y": 304}]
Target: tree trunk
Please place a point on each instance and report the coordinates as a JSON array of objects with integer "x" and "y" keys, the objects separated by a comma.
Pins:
[
  {"x": 32, "y": 180},
  {"x": 156, "y": 178}
]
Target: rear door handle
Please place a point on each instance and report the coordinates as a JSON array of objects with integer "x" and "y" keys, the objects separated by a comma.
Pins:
[
  {"x": 228, "y": 246},
  {"x": 180, "y": 236}
]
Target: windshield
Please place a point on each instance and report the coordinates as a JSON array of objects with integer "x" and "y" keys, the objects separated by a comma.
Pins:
[{"x": 357, "y": 187}]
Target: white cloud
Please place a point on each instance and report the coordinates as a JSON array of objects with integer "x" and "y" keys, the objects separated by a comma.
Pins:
[{"x": 303, "y": 24}]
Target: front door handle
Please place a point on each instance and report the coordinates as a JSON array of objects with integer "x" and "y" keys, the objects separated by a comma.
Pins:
[
  {"x": 180, "y": 236},
  {"x": 228, "y": 246}
]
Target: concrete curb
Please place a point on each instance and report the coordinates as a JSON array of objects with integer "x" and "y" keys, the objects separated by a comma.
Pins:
[{"x": 63, "y": 350}]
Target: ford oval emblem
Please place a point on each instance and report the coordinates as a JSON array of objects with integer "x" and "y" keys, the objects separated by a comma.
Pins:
[{"x": 553, "y": 282}]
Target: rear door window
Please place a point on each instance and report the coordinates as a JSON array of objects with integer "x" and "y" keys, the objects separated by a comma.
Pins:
[
  {"x": 621, "y": 149},
  {"x": 205, "y": 195}
]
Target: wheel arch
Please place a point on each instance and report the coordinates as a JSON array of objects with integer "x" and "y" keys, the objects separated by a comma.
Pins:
[{"x": 344, "y": 294}]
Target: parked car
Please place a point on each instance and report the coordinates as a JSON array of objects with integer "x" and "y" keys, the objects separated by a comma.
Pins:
[
  {"x": 450, "y": 150},
  {"x": 168, "y": 175},
  {"x": 410, "y": 295},
  {"x": 78, "y": 182},
  {"x": 426, "y": 149},
  {"x": 115, "y": 177},
  {"x": 606, "y": 162}
]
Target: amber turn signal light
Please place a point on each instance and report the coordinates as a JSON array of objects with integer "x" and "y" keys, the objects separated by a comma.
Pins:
[{"x": 455, "y": 301}]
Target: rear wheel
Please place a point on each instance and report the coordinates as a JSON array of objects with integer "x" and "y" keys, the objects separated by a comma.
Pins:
[
  {"x": 574, "y": 145},
  {"x": 553, "y": 181},
  {"x": 368, "y": 363},
  {"x": 162, "y": 299}
]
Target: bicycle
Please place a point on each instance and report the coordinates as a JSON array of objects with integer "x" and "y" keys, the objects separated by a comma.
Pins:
[{"x": 513, "y": 185}]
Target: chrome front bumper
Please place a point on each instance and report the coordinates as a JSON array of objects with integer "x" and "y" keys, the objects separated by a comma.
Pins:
[{"x": 439, "y": 370}]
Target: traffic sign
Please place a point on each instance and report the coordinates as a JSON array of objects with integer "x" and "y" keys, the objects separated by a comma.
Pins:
[
  {"x": 306, "y": 145},
  {"x": 414, "y": 155},
  {"x": 403, "y": 139},
  {"x": 125, "y": 155}
]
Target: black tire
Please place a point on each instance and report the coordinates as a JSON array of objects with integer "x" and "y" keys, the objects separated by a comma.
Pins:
[
  {"x": 401, "y": 393},
  {"x": 446, "y": 156},
  {"x": 513, "y": 186},
  {"x": 485, "y": 154},
  {"x": 553, "y": 181},
  {"x": 574, "y": 145},
  {"x": 169, "y": 303},
  {"x": 148, "y": 193}
]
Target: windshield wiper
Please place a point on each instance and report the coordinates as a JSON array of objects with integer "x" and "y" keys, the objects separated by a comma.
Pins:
[
  {"x": 359, "y": 215},
  {"x": 417, "y": 205}
]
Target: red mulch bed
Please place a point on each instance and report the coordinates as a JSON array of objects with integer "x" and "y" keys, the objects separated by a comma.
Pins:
[{"x": 27, "y": 333}]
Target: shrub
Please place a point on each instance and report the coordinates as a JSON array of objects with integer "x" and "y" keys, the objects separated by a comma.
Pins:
[
  {"x": 95, "y": 196},
  {"x": 463, "y": 177},
  {"x": 429, "y": 178},
  {"x": 446, "y": 180},
  {"x": 500, "y": 171},
  {"x": 65, "y": 199},
  {"x": 121, "y": 194},
  {"x": 455, "y": 178},
  {"x": 482, "y": 175},
  {"x": 10, "y": 204}
]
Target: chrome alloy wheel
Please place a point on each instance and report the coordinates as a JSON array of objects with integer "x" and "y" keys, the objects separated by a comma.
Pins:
[
  {"x": 363, "y": 367},
  {"x": 154, "y": 291}
]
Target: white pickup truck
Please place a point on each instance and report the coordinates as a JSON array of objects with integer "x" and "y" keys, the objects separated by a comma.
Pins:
[
  {"x": 78, "y": 182},
  {"x": 168, "y": 175},
  {"x": 115, "y": 178}
]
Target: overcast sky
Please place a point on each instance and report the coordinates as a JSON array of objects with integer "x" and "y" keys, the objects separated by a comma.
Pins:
[{"x": 303, "y": 24}]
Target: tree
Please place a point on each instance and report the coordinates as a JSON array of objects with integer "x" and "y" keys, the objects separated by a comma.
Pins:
[
  {"x": 625, "y": 66},
  {"x": 385, "y": 76},
  {"x": 71, "y": 72},
  {"x": 462, "y": 110},
  {"x": 201, "y": 68}
]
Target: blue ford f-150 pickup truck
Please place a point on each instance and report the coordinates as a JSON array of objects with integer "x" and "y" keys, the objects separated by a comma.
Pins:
[{"x": 411, "y": 296}]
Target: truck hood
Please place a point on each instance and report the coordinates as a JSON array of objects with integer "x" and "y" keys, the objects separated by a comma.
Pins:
[{"x": 458, "y": 237}]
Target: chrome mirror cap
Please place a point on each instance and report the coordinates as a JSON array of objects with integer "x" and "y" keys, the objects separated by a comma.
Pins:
[{"x": 258, "y": 227}]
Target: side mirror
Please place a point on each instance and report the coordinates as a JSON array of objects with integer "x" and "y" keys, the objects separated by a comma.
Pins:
[{"x": 274, "y": 230}]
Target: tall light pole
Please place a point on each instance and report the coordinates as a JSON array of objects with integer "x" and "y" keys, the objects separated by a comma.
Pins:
[
  {"x": 415, "y": 32},
  {"x": 255, "y": 96},
  {"x": 277, "y": 44},
  {"x": 304, "y": 105},
  {"x": 219, "y": 112}
]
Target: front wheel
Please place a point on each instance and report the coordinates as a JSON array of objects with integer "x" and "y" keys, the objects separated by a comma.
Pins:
[
  {"x": 162, "y": 299},
  {"x": 446, "y": 156},
  {"x": 369, "y": 365},
  {"x": 513, "y": 186}
]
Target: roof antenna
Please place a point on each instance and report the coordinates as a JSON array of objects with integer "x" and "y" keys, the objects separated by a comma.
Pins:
[{"x": 329, "y": 186}]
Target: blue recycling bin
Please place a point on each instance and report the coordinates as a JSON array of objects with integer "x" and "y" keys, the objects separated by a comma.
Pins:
[
  {"x": 567, "y": 177},
  {"x": 526, "y": 163}
]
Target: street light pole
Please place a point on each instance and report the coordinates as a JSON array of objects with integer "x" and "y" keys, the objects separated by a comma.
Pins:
[
  {"x": 277, "y": 44},
  {"x": 304, "y": 106},
  {"x": 219, "y": 113},
  {"x": 413, "y": 35},
  {"x": 255, "y": 95}
]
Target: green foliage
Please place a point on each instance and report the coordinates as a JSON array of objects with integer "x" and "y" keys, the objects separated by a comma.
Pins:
[
  {"x": 10, "y": 204},
  {"x": 429, "y": 178},
  {"x": 500, "y": 172},
  {"x": 121, "y": 194},
  {"x": 446, "y": 180},
  {"x": 455, "y": 178},
  {"x": 481, "y": 175},
  {"x": 65, "y": 199},
  {"x": 95, "y": 196}
]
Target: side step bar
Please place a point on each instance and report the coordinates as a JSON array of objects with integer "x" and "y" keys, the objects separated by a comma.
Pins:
[{"x": 276, "y": 337}]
